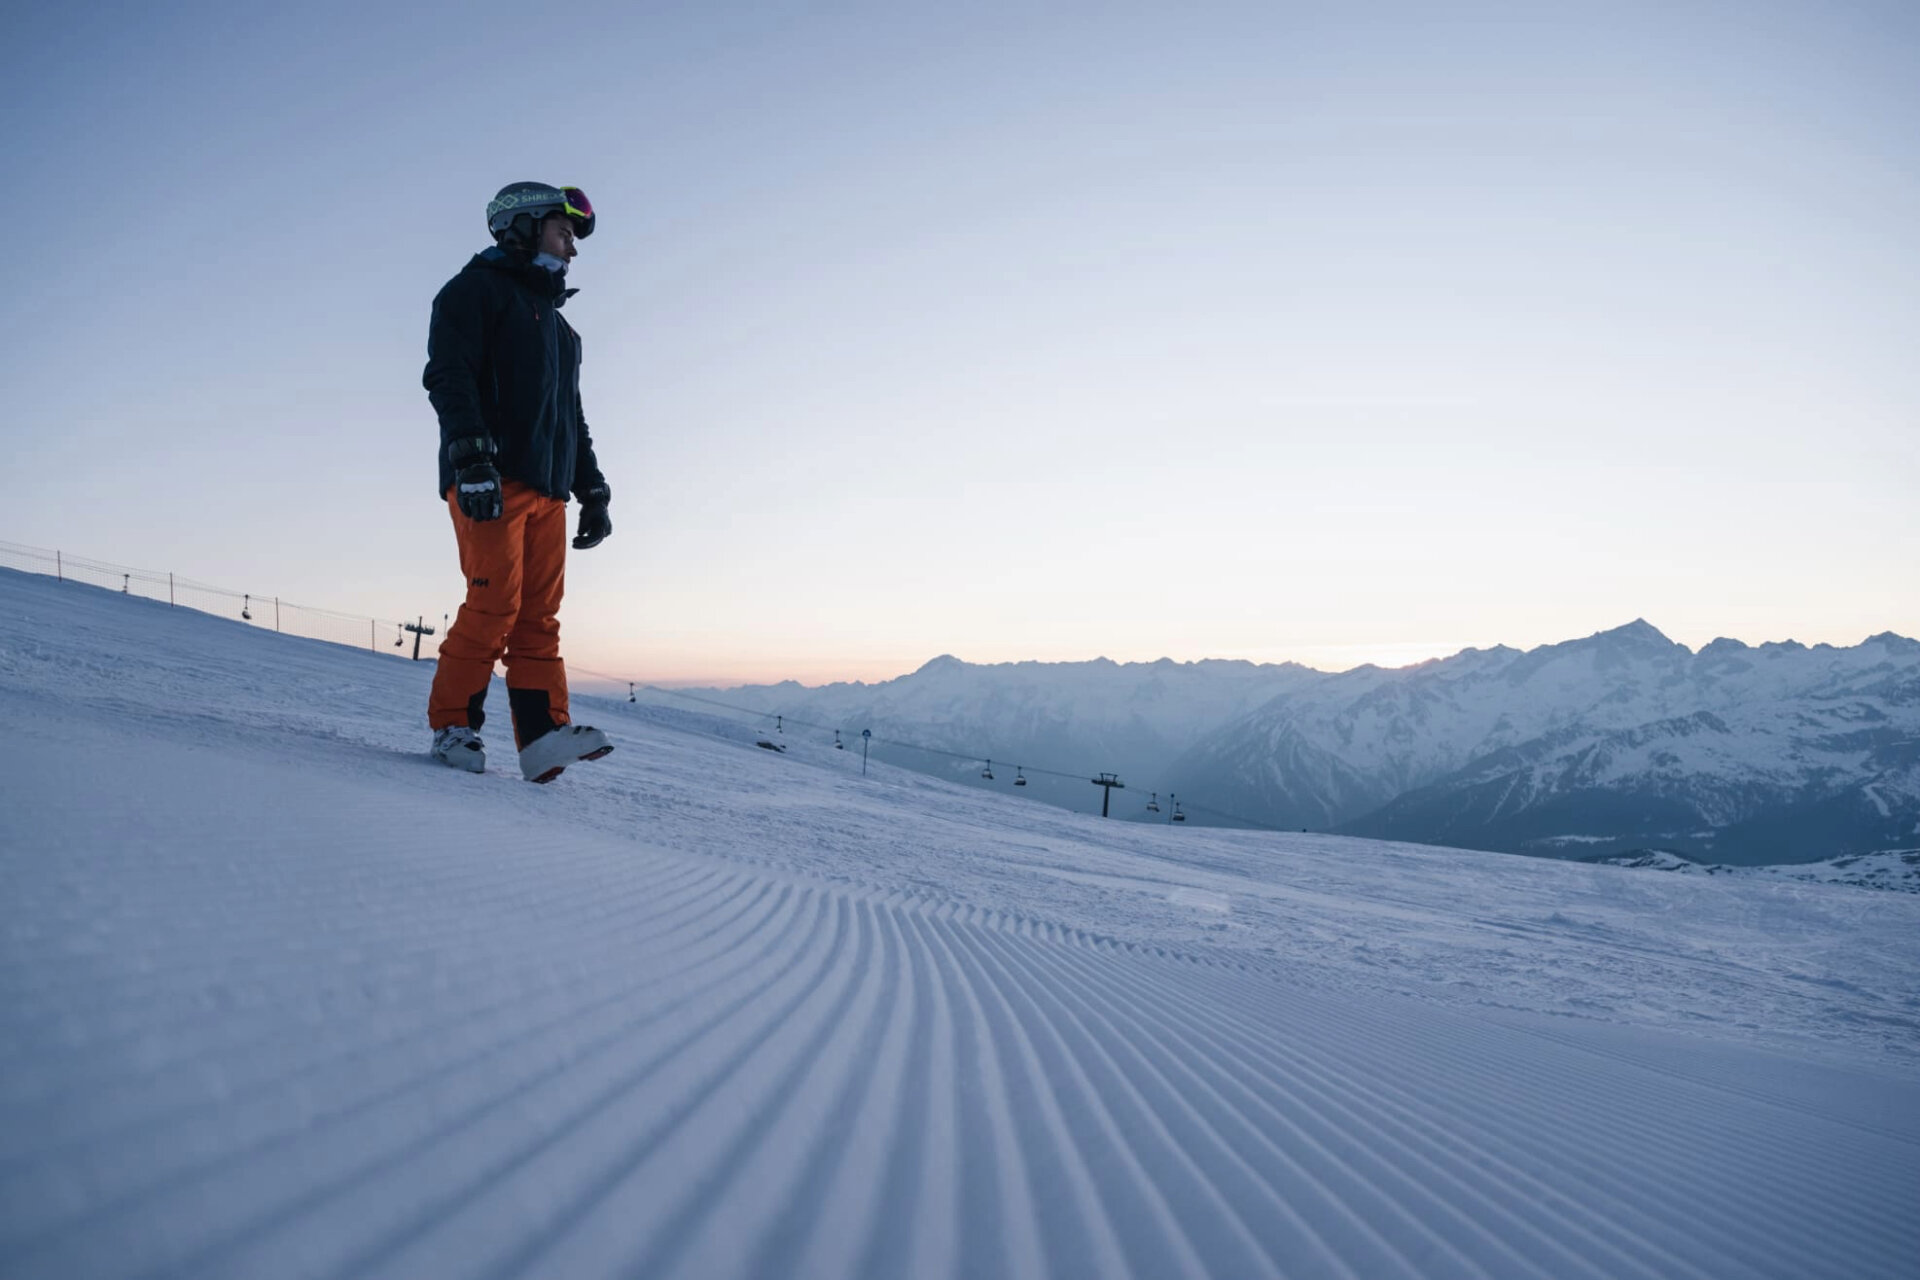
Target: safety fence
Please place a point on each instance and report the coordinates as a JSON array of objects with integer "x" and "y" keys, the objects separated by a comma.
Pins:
[{"x": 404, "y": 637}]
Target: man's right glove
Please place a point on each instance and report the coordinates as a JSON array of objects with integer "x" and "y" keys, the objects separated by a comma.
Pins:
[
  {"x": 476, "y": 481},
  {"x": 595, "y": 523}
]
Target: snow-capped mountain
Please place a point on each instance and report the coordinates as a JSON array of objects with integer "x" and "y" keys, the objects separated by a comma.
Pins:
[
  {"x": 1619, "y": 741},
  {"x": 1622, "y": 740}
]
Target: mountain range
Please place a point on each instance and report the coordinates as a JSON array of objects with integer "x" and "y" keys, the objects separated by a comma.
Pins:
[{"x": 1620, "y": 741}]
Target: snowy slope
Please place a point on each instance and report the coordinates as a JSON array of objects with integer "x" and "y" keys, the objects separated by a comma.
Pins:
[
  {"x": 280, "y": 997},
  {"x": 1762, "y": 784},
  {"x": 1894, "y": 869}
]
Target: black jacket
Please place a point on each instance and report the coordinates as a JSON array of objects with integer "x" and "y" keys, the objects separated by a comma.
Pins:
[{"x": 502, "y": 363}]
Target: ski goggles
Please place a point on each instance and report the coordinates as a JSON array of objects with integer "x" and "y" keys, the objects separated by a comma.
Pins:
[
  {"x": 577, "y": 205},
  {"x": 579, "y": 209}
]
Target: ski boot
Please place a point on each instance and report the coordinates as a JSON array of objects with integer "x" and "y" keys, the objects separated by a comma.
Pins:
[
  {"x": 460, "y": 747},
  {"x": 544, "y": 759}
]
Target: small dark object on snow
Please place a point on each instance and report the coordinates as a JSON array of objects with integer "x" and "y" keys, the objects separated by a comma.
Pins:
[{"x": 771, "y": 746}]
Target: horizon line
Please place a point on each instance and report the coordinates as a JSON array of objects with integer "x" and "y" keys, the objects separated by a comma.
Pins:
[{"x": 1430, "y": 654}]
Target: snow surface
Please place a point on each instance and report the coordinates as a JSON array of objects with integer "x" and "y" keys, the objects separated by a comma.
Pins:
[{"x": 279, "y": 996}]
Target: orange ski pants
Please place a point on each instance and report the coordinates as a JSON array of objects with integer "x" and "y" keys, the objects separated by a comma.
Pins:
[{"x": 516, "y": 570}]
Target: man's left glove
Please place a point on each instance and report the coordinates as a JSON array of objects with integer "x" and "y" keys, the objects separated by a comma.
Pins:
[{"x": 595, "y": 523}]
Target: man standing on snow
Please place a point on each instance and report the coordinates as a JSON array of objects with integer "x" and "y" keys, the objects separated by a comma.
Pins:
[{"x": 503, "y": 373}]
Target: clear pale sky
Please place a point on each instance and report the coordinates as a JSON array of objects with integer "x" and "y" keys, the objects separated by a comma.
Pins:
[{"x": 1332, "y": 333}]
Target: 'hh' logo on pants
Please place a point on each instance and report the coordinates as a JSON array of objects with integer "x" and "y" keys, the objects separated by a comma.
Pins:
[{"x": 479, "y": 582}]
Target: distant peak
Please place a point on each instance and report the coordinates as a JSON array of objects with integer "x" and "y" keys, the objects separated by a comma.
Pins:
[
  {"x": 1637, "y": 632},
  {"x": 945, "y": 662}
]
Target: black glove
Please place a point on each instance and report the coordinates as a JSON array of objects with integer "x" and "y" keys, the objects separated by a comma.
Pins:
[
  {"x": 476, "y": 481},
  {"x": 595, "y": 523}
]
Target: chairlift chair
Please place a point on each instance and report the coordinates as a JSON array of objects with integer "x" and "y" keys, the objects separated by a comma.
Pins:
[
  {"x": 245, "y": 613},
  {"x": 1177, "y": 815},
  {"x": 1019, "y": 776},
  {"x": 987, "y": 772},
  {"x": 1153, "y": 803}
]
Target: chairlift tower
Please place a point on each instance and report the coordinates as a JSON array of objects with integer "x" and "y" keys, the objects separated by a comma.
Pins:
[
  {"x": 419, "y": 628},
  {"x": 1108, "y": 781}
]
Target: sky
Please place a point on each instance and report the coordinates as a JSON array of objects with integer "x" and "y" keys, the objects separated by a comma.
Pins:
[{"x": 1332, "y": 334}]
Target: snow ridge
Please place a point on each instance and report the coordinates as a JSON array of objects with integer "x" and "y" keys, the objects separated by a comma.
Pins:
[{"x": 1896, "y": 869}]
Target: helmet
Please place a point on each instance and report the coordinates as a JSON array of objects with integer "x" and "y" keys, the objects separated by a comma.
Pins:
[{"x": 534, "y": 201}]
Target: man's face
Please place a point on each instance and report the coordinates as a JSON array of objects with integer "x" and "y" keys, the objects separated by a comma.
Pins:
[{"x": 556, "y": 237}]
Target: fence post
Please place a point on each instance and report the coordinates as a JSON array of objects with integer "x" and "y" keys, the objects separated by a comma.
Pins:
[
  {"x": 170, "y": 603},
  {"x": 373, "y": 646},
  {"x": 59, "y": 569},
  {"x": 276, "y": 613}
]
